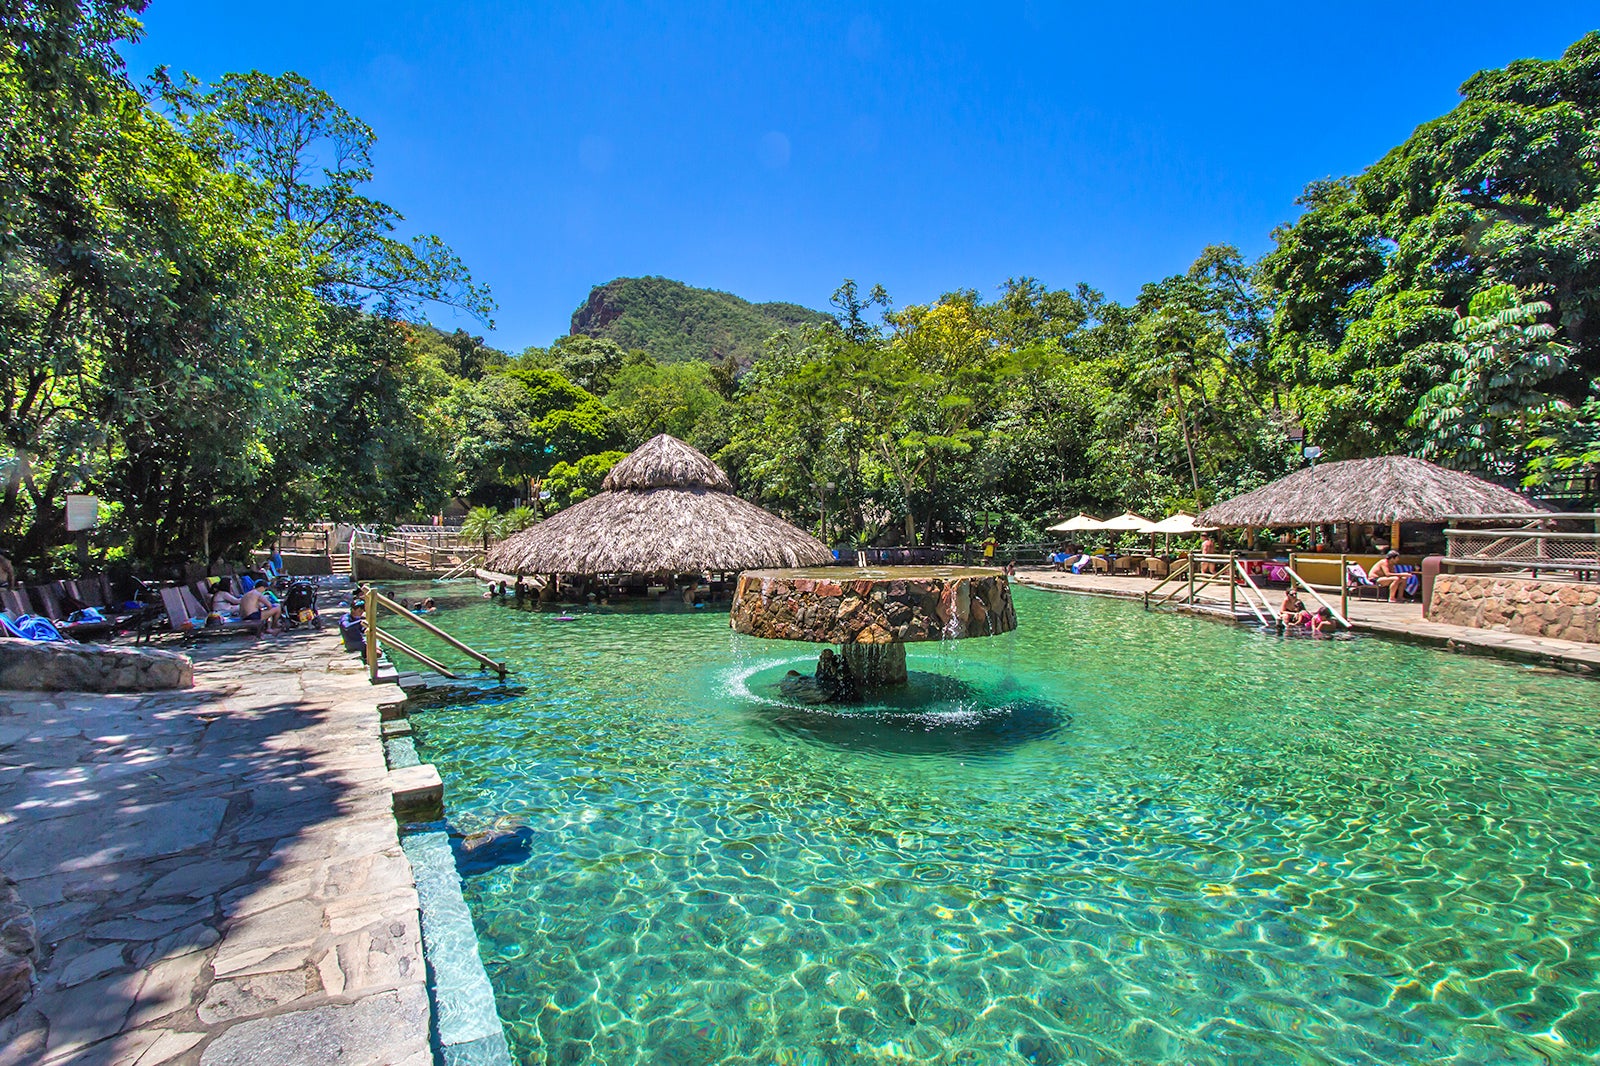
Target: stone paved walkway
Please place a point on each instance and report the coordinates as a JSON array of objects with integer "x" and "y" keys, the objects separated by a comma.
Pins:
[
  {"x": 215, "y": 873},
  {"x": 1402, "y": 620}
]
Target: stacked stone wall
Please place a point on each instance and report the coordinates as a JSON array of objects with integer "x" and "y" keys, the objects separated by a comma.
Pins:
[
  {"x": 784, "y": 605},
  {"x": 1559, "y": 609}
]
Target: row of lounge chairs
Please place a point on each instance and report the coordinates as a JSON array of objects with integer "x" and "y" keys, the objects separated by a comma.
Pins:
[
  {"x": 88, "y": 609},
  {"x": 82, "y": 608}
]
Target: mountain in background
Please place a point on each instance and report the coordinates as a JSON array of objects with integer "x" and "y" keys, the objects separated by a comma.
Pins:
[{"x": 675, "y": 322}]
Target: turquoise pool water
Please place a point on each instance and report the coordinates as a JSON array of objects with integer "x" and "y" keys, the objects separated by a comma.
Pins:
[{"x": 1172, "y": 841}]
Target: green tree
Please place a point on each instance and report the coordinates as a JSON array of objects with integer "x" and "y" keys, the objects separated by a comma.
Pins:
[
  {"x": 1505, "y": 361},
  {"x": 570, "y": 483},
  {"x": 676, "y": 398}
]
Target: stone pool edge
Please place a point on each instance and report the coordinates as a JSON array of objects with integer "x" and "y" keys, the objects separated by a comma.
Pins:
[
  {"x": 1578, "y": 660},
  {"x": 467, "y": 1029}
]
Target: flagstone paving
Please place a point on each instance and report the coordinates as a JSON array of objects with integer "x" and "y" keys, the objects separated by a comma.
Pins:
[{"x": 215, "y": 874}]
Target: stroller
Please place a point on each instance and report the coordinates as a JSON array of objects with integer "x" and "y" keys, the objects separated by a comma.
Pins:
[{"x": 300, "y": 605}]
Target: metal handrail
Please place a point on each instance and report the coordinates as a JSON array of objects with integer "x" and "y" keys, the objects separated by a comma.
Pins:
[
  {"x": 1276, "y": 618},
  {"x": 464, "y": 567},
  {"x": 376, "y": 600}
]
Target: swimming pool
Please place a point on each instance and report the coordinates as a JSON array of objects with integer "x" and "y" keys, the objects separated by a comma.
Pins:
[{"x": 1174, "y": 841}]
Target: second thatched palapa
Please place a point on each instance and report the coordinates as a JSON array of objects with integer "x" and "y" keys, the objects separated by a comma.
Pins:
[
  {"x": 665, "y": 508},
  {"x": 1394, "y": 488}
]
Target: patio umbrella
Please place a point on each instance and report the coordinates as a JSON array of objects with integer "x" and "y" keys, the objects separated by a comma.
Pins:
[
  {"x": 1180, "y": 523},
  {"x": 1082, "y": 521},
  {"x": 1127, "y": 521}
]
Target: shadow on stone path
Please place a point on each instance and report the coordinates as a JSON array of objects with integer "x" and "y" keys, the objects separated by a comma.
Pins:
[{"x": 215, "y": 874}]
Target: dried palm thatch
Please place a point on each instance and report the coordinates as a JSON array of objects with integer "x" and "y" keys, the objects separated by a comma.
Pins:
[
  {"x": 666, "y": 507},
  {"x": 1394, "y": 488}
]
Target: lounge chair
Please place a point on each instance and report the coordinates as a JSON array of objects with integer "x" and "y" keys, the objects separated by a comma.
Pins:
[
  {"x": 1100, "y": 564},
  {"x": 183, "y": 610},
  {"x": 1359, "y": 584},
  {"x": 15, "y": 602},
  {"x": 28, "y": 627},
  {"x": 55, "y": 606},
  {"x": 1155, "y": 567}
]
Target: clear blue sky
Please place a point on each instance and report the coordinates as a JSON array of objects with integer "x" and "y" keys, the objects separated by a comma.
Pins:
[{"x": 773, "y": 149}]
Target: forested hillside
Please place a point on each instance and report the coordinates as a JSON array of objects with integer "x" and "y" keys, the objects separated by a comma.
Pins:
[{"x": 675, "y": 322}]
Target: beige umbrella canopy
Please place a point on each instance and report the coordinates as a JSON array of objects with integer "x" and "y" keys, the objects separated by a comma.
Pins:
[
  {"x": 666, "y": 507},
  {"x": 1385, "y": 491},
  {"x": 1082, "y": 521},
  {"x": 1127, "y": 521},
  {"x": 1180, "y": 523}
]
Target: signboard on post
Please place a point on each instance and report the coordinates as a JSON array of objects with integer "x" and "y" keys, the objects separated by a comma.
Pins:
[{"x": 83, "y": 512}]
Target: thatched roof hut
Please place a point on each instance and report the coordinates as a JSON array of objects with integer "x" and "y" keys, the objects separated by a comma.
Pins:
[
  {"x": 1391, "y": 489},
  {"x": 666, "y": 507}
]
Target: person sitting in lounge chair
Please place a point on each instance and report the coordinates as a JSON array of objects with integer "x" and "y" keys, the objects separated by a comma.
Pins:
[
  {"x": 1385, "y": 575},
  {"x": 255, "y": 604},
  {"x": 223, "y": 601}
]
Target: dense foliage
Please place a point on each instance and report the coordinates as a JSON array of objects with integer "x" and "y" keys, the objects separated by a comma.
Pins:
[
  {"x": 207, "y": 323},
  {"x": 674, "y": 322}
]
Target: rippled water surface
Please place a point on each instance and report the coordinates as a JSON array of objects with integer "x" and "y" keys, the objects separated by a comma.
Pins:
[{"x": 1116, "y": 837}]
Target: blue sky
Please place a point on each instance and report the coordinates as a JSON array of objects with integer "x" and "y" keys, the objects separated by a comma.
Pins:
[{"x": 772, "y": 150}]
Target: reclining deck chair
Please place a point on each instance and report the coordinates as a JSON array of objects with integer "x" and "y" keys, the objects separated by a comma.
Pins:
[{"x": 183, "y": 610}]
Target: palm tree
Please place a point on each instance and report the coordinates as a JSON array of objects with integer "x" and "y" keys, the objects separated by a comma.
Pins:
[
  {"x": 481, "y": 522},
  {"x": 516, "y": 520}
]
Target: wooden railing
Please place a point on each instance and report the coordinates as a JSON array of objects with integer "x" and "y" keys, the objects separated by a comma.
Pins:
[
  {"x": 1196, "y": 571},
  {"x": 443, "y": 551},
  {"x": 377, "y": 637}
]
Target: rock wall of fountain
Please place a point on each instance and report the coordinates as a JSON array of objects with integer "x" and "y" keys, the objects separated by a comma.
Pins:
[{"x": 855, "y": 609}]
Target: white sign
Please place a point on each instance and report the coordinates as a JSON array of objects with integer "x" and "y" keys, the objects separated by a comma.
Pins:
[
  {"x": 83, "y": 512},
  {"x": 1312, "y": 451}
]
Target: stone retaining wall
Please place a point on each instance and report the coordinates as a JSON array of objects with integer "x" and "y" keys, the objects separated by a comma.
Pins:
[{"x": 1557, "y": 609}]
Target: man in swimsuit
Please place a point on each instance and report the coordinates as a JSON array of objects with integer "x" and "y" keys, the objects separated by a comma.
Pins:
[
  {"x": 1384, "y": 575},
  {"x": 254, "y": 604}
]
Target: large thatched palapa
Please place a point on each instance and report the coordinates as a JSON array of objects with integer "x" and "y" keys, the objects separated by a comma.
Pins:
[
  {"x": 667, "y": 507},
  {"x": 1394, "y": 488}
]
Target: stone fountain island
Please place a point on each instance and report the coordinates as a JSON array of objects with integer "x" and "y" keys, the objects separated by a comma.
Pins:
[{"x": 871, "y": 614}]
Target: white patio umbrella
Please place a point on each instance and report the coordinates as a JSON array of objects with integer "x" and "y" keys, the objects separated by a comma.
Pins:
[
  {"x": 1082, "y": 521},
  {"x": 1180, "y": 523},
  {"x": 1127, "y": 521}
]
